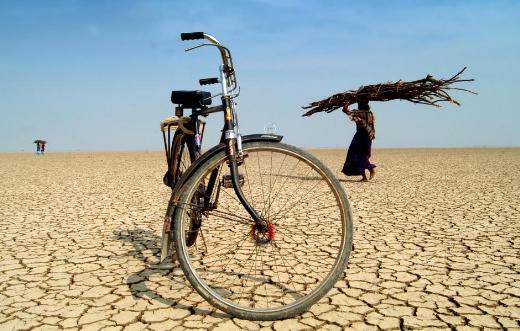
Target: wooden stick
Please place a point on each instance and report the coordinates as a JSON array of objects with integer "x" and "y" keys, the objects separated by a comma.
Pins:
[{"x": 427, "y": 91}]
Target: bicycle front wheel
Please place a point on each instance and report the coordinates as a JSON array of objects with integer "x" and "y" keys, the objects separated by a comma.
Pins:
[{"x": 280, "y": 272}]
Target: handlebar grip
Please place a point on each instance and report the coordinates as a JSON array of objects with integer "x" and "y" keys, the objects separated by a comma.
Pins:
[
  {"x": 208, "y": 81},
  {"x": 192, "y": 35}
]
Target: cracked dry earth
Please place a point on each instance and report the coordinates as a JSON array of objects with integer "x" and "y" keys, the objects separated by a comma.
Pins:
[{"x": 436, "y": 234}]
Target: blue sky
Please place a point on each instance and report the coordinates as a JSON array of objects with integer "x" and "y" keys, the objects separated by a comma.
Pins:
[{"x": 97, "y": 75}]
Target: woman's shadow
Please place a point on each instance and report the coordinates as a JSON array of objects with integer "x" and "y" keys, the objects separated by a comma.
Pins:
[
  {"x": 146, "y": 240},
  {"x": 348, "y": 180}
]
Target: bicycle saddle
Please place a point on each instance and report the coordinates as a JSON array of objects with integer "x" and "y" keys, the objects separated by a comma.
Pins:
[{"x": 191, "y": 99}]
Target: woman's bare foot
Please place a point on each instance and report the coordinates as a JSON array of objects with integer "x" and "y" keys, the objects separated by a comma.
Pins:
[
  {"x": 364, "y": 178},
  {"x": 372, "y": 173}
]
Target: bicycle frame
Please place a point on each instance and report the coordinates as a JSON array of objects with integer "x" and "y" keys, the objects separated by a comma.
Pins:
[
  {"x": 231, "y": 141},
  {"x": 231, "y": 134}
]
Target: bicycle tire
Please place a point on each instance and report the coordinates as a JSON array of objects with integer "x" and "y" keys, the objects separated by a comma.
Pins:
[
  {"x": 183, "y": 155},
  {"x": 199, "y": 271}
]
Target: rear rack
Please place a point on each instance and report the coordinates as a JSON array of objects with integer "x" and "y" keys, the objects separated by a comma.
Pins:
[{"x": 174, "y": 122}]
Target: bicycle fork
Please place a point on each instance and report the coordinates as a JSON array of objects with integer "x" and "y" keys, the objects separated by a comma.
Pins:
[{"x": 233, "y": 140}]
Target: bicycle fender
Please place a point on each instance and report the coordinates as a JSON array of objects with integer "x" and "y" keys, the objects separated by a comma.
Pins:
[{"x": 176, "y": 192}]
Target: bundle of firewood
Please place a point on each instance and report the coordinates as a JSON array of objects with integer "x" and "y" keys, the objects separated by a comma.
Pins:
[{"x": 428, "y": 91}]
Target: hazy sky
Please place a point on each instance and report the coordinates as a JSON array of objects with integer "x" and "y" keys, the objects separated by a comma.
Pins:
[{"x": 97, "y": 75}]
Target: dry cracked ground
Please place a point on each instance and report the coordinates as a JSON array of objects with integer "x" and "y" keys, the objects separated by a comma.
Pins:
[{"x": 436, "y": 234}]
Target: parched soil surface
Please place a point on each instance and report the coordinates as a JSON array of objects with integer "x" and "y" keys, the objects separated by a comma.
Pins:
[{"x": 436, "y": 235}]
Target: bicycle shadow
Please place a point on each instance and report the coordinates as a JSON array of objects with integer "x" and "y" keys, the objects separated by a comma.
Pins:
[
  {"x": 343, "y": 180},
  {"x": 317, "y": 178},
  {"x": 313, "y": 178},
  {"x": 146, "y": 240}
]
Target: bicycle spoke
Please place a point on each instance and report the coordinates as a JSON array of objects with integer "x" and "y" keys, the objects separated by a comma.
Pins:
[
  {"x": 308, "y": 246},
  {"x": 275, "y": 180},
  {"x": 255, "y": 253},
  {"x": 219, "y": 213},
  {"x": 230, "y": 217},
  {"x": 310, "y": 169},
  {"x": 266, "y": 212},
  {"x": 261, "y": 181},
  {"x": 229, "y": 250},
  {"x": 305, "y": 212},
  {"x": 299, "y": 201},
  {"x": 285, "y": 181},
  {"x": 263, "y": 274},
  {"x": 232, "y": 196},
  {"x": 237, "y": 247},
  {"x": 283, "y": 261},
  {"x": 249, "y": 183}
]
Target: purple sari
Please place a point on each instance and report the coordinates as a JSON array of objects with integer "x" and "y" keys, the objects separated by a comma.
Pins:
[{"x": 358, "y": 154}]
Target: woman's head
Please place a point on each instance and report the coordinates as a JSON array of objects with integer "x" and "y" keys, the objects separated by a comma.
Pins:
[{"x": 363, "y": 104}]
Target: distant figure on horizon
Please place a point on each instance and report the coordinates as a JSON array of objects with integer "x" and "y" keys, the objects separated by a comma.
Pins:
[
  {"x": 360, "y": 148},
  {"x": 40, "y": 146}
]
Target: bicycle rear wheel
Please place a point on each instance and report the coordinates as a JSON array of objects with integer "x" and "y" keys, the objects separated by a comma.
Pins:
[
  {"x": 278, "y": 273},
  {"x": 183, "y": 154}
]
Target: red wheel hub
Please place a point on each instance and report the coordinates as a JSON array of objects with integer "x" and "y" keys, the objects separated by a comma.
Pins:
[{"x": 263, "y": 237}]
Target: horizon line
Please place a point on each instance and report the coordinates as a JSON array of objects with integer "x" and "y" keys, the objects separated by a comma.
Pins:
[{"x": 342, "y": 148}]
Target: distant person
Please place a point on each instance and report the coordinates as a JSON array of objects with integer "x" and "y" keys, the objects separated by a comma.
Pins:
[
  {"x": 360, "y": 148},
  {"x": 43, "y": 148},
  {"x": 37, "y": 148}
]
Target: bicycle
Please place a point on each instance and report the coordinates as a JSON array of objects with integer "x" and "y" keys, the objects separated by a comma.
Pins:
[{"x": 244, "y": 236}]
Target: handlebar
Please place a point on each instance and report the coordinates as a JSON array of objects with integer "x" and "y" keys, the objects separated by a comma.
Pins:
[
  {"x": 224, "y": 53},
  {"x": 208, "y": 81},
  {"x": 192, "y": 35}
]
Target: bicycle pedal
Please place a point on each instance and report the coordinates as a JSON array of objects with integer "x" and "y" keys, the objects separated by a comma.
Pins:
[{"x": 227, "y": 182}]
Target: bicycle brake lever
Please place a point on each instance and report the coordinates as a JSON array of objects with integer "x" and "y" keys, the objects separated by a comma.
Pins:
[
  {"x": 201, "y": 45},
  {"x": 215, "y": 95},
  {"x": 194, "y": 47},
  {"x": 236, "y": 94}
]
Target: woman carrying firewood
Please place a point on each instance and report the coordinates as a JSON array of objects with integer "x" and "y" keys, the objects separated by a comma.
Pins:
[
  {"x": 359, "y": 151},
  {"x": 427, "y": 91}
]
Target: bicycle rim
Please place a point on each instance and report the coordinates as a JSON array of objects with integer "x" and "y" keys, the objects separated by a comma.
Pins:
[
  {"x": 282, "y": 271},
  {"x": 183, "y": 158}
]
